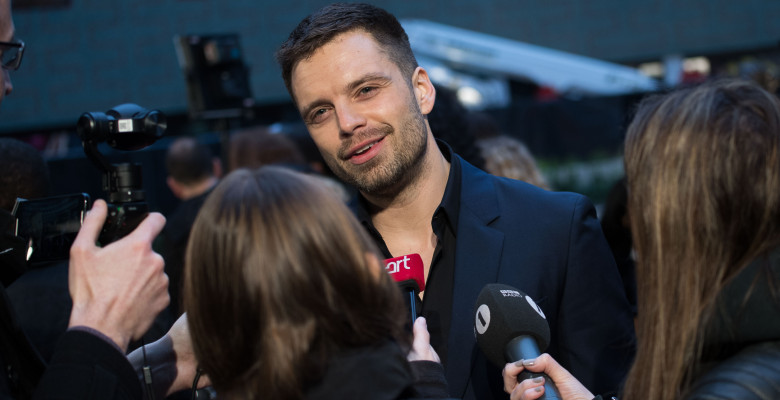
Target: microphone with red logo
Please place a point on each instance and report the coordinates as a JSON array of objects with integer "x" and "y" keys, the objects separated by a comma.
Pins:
[
  {"x": 510, "y": 326},
  {"x": 408, "y": 270}
]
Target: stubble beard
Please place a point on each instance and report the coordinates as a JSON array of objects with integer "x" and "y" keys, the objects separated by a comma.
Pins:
[{"x": 387, "y": 174}]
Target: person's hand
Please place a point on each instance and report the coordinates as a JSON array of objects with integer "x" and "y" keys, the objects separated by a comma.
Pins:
[
  {"x": 421, "y": 346},
  {"x": 568, "y": 386},
  {"x": 186, "y": 364},
  {"x": 118, "y": 289},
  {"x": 172, "y": 361}
]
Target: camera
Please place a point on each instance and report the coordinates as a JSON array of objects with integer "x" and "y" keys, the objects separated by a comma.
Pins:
[
  {"x": 50, "y": 225},
  {"x": 124, "y": 127}
]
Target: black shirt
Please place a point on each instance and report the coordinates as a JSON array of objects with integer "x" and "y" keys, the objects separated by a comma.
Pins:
[{"x": 437, "y": 304}]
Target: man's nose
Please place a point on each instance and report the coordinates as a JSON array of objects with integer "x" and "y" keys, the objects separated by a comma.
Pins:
[{"x": 349, "y": 118}]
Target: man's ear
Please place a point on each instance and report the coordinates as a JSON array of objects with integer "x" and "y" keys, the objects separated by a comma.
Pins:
[{"x": 424, "y": 91}]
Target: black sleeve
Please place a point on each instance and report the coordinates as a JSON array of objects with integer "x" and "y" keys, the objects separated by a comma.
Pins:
[
  {"x": 85, "y": 366},
  {"x": 429, "y": 381}
]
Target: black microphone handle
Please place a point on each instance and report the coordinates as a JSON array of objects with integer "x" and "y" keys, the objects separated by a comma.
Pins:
[{"x": 524, "y": 348}]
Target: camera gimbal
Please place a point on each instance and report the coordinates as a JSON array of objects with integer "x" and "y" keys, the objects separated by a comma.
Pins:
[{"x": 124, "y": 127}]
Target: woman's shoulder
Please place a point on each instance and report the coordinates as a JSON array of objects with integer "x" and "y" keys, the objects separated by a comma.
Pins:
[{"x": 753, "y": 373}]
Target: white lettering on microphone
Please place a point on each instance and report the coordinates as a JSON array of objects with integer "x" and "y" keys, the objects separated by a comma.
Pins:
[
  {"x": 510, "y": 293},
  {"x": 395, "y": 266}
]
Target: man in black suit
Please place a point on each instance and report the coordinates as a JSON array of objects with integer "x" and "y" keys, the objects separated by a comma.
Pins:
[{"x": 350, "y": 70}]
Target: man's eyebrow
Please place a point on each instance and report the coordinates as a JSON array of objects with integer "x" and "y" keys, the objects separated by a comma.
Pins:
[
  {"x": 307, "y": 109},
  {"x": 350, "y": 87},
  {"x": 366, "y": 78}
]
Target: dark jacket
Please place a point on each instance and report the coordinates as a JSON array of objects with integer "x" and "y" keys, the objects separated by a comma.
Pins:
[
  {"x": 85, "y": 366},
  {"x": 742, "y": 345},
  {"x": 379, "y": 373},
  {"x": 21, "y": 365},
  {"x": 550, "y": 246}
]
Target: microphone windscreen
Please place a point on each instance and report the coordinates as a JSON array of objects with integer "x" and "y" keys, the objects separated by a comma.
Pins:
[
  {"x": 407, "y": 269},
  {"x": 503, "y": 313}
]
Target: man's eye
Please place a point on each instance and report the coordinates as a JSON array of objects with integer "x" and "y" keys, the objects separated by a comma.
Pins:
[
  {"x": 367, "y": 90},
  {"x": 318, "y": 115}
]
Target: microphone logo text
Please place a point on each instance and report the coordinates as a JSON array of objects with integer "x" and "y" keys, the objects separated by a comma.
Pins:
[{"x": 395, "y": 266}]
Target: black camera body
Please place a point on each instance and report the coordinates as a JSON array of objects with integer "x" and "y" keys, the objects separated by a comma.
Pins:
[
  {"x": 49, "y": 225},
  {"x": 124, "y": 127},
  {"x": 122, "y": 218}
]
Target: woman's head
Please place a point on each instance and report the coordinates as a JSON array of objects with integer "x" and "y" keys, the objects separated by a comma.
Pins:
[
  {"x": 702, "y": 167},
  {"x": 280, "y": 274},
  {"x": 704, "y": 200}
]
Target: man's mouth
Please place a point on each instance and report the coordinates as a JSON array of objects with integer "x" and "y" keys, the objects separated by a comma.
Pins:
[
  {"x": 364, "y": 153},
  {"x": 364, "y": 149}
]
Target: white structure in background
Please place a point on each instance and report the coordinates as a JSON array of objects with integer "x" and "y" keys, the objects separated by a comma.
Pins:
[{"x": 479, "y": 66}]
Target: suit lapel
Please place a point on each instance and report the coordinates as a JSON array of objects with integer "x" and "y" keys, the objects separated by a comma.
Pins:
[{"x": 477, "y": 259}]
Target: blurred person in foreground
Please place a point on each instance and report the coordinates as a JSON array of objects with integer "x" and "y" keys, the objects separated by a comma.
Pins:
[
  {"x": 703, "y": 168},
  {"x": 286, "y": 298},
  {"x": 351, "y": 72}
]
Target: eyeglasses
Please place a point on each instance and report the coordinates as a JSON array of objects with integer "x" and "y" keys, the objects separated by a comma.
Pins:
[{"x": 12, "y": 54}]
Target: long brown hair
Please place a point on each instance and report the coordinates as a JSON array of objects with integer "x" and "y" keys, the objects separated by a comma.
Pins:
[
  {"x": 704, "y": 199},
  {"x": 278, "y": 279}
]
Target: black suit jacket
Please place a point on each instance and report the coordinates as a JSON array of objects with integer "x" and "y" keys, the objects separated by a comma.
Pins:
[{"x": 550, "y": 246}]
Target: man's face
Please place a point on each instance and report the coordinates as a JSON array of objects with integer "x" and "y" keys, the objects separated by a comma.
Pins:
[
  {"x": 6, "y": 35},
  {"x": 362, "y": 113}
]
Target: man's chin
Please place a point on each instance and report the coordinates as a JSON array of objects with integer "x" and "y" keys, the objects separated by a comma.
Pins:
[
  {"x": 370, "y": 178},
  {"x": 368, "y": 183},
  {"x": 381, "y": 186}
]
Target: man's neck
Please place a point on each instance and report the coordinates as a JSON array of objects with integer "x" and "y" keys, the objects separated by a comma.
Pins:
[
  {"x": 404, "y": 220},
  {"x": 188, "y": 192}
]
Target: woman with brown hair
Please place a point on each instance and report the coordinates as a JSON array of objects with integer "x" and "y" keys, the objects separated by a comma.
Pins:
[
  {"x": 703, "y": 167},
  {"x": 287, "y": 299}
]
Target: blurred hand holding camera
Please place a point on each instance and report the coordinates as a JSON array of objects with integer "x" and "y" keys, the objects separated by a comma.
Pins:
[{"x": 120, "y": 288}]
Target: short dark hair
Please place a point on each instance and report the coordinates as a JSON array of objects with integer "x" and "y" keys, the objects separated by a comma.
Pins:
[
  {"x": 25, "y": 173},
  {"x": 319, "y": 28},
  {"x": 189, "y": 161}
]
